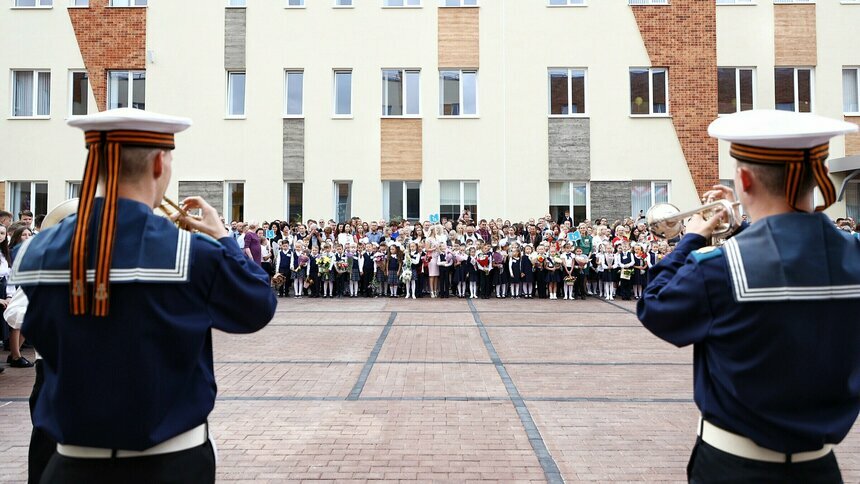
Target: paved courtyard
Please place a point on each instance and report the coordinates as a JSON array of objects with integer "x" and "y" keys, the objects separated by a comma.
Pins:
[{"x": 440, "y": 390}]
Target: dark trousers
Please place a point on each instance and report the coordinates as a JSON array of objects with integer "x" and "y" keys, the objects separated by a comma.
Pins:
[
  {"x": 711, "y": 465},
  {"x": 444, "y": 281},
  {"x": 193, "y": 465},
  {"x": 540, "y": 284},
  {"x": 579, "y": 286},
  {"x": 625, "y": 289},
  {"x": 42, "y": 446},
  {"x": 485, "y": 283}
]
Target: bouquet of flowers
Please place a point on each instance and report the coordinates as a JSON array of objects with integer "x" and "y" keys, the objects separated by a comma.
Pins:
[
  {"x": 569, "y": 280},
  {"x": 537, "y": 259},
  {"x": 460, "y": 257},
  {"x": 406, "y": 275},
  {"x": 325, "y": 264},
  {"x": 483, "y": 262},
  {"x": 303, "y": 262},
  {"x": 556, "y": 260},
  {"x": 342, "y": 267},
  {"x": 498, "y": 259},
  {"x": 581, "y": 260}
]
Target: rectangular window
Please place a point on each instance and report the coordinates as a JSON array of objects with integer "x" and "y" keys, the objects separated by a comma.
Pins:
[
  {"x": 28, "y": 195},
  {"x": 127, "y": 3},
  {"x": 649, "y": 91},
  {"x": 400, "y": 92},
  {"x": 736, "y": 2},
  {"x": 459, "y": 3},
  {"x": 342, "y": 3},
  {"x": 343, "y": 93},
  {"x": 735, "y": 89},
  {"x": 850, "y": 90},
  {"x": 645, "y": 194},
  {"x": 457, "y": 196},
  {"x": 294, "y": 85},
  {"x": 31, "y": 93},
  {"x": 294, "y": 201},
  {"x": 73, "y": 189},
  {"x": 565, "y": 3},
  {"x": 127, "y": 89},
  {"x": 342, "y": 201},
  {"x": 80, "y": 93},
  {"x": 235, "y": 94},
  {"x": 649, "y": 2},
  {"x": 80, "y": 3},
  {"x": 793, "y": 86},
  {"x": 235, "y": 3},
  {"x": 34, "y": 3},
  {"x": 295, "y": 3},
  {"x": 566, "y": 92},
  {"x": 852, "y": 200},
  {"x": 569, "y": 196},
  {"x": 401, "y": 199},
  {"x": 793, "y": 1},
  {"x": 401, "y": 3},
  {"x": 234, "y": 201},
  {"x": 458, "y": 93}
]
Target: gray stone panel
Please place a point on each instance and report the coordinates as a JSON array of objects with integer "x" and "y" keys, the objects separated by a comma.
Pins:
[
  {"x": 294, "y": 149},
  {"x": 611, "y": 200},
  {"x": 569, "y": 149},
  {"x": 234, "y": 38},
  {"x": 211, "y": 191}
]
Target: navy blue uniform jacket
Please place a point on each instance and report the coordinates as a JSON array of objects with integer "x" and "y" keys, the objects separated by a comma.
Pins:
[
  {"x": 143, "y": 374},
  {"x": 772, "y": 315}
]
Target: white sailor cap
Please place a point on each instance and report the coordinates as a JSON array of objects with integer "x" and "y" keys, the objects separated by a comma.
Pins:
[
  {"x": 767, "y": 128},
  {"x": 799, "y": 141},
  {"x": 130, "y": 119}
]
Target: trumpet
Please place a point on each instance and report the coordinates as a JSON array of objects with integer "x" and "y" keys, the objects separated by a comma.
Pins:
[
  {"x": 666, "y": 221},
  {"x": 168, "y": 207}
]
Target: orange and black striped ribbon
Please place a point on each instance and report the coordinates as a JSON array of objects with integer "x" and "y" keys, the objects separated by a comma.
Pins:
[
  {"x": 796, "y": 162},
  {"x": 104, "y": 153}
]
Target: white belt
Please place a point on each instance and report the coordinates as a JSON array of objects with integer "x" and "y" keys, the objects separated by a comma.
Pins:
[
  {"x": 741, "y": 446},
  {"x": 184, "y": 441}
]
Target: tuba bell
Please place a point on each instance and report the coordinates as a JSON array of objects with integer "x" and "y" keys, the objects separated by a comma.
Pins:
[{"x": 666, "y": 221}]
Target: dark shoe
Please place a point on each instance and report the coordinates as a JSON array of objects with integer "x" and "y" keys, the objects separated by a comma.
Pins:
[{"x": 20, "y": 363}]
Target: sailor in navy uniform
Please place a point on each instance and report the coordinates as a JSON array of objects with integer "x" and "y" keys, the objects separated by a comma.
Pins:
[
  {"x": 776, "y": 343},
  {"x": 126, "y": 341}
]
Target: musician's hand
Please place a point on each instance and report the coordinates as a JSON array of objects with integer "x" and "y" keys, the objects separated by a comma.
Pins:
[
  {"x": 719, "y": 192},
  {"x": 209, "y": 223},
  {"x": 698, "y": 225}
]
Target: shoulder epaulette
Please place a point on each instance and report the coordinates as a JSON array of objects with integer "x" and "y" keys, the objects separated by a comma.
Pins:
[
  {"x": 706, "y": 253},
  {"x": 207, "y": 238}
]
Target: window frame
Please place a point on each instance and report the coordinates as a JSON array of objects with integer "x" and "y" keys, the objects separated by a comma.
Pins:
[
  {"x": 73, "y": 5},
  {"x": 405, "y": 2},
  {"x": 229, "y": 115},
  {"x": 441, "y": 112},
  {"x": 38, "y": 5},
  {"x": 651, "y": 72},
  {"x": 303, "y": 5},
  {"x": 35, "y": 95},
  {"x": 796, "y": 70},
  {"x": 287, "y": 213},
  {"x": 463, "y": 197},
  {"x": 405, "y": 186},
  {"x": 652, "y": 193},
  {"x": 335, "y": 114},
  {"x": 568, "y": 3},
  {"x": 335, "y": 185},
  {"x": 569, "y": 114},
  {"x": 10, "y": 196},
  {"x": 230, "y": 4},
  {"x": 405, "y": 96},
  {"x": 73, "y": 189},
  {"x": 856, "y": 185},
  {"x": 738, "y": 88},
  {"x": 789, "y": 2},
  {"x": 287, "y": 114},
  {"x": 442, "y": 4},
  {"x": 336, "y": 5},
  {"x": 130, "y": 2},
  {"x": 228, "y": 200},
  {"x": 71, "y": 105},
  {"x": 131, "y": 73},
  {"x": 570, "y": 189},
  {"x": 856, "y": 70}
]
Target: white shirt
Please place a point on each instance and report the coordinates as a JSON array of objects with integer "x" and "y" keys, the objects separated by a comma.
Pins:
[
  {"x": 5, "y": 270},
  {"x": 344, "y": 238}
]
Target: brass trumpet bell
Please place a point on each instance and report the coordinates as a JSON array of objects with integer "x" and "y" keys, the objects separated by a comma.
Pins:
[{"x": 666, "y": 221}]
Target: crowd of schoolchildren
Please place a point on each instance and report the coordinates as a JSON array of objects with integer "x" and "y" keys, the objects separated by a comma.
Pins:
[{"x": 540, "y": 258}]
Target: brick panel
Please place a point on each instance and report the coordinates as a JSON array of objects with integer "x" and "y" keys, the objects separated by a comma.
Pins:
[
  {"x": 852, "y": 141},
  {"x": 401, "y": 146},
  {"x": 2, "y": 195},
  {"x": 682, "y": 36},
  {"x": 569, "y": 149},
  {"x": 234, "y": 38},
  {"x": 109, "y": 38},
  {"x": 458, "y": 37},
  {"x": 211, "y": 191},
  {"x": 294, "y": 149},
  {"x": 794, "y": 35},
  {"x": 611, "y": 200}
]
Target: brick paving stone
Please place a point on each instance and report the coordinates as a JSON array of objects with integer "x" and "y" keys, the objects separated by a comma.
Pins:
[
  {"x": 652, "y": 382},
  {"x": 434, "y": 408},
  {"x": 418, "y": 343},
  {"x": 434, "y": 380}
]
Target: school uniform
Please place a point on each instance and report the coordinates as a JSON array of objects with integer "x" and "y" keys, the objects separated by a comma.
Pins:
[
  {"x": 444, "y": 277},
  {"x": 313, "y": 272},
  {"x": 366, "y": 274},
  {"x": 459, "y": 271},
  {"x": 515, "y": 270},
  {"x": 625, "y": 260},
  {"x": 607, "y": 264},
  {"x": 527, "y": 269},
  {"x": 470, "y": 270},
  {"x": 355, "y": 263},
  {"x": 393, "y": 266},
  {"x": 640, "y": 277},
  {"x": 284, "y": 268},
  {"x": 581, "y": 274}
]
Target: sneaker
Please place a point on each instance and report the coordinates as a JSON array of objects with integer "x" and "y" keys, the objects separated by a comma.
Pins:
[{"x": 20, "y": 363}]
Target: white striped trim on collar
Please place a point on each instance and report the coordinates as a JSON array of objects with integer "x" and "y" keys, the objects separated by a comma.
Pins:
[
  {"x": 179, "y": 272},
  {"x": 743, "y": 293}
]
